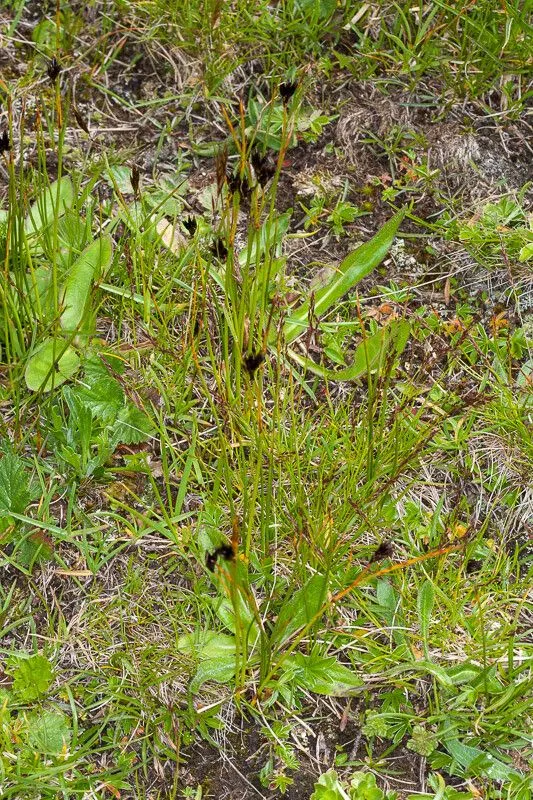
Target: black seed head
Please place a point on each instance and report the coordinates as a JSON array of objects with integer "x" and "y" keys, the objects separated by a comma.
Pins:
[
  {"x": 219, "y": 248},
  {"x": 252, "y": 362},
  {"x": 473, "y": 565},
  {"x": 54, "y": 68},
  {"x": 5, "y": 145},
  {"x": 384, "y": 550},
  {"x": 238, "y": 184},
  {"x": 210, "y": 561},
  {"x": 287, "y": 90},
  {"x": 190, "y": 224},
  {"x": 225, "y": 551},
  {"x": 264, "y": 167}
]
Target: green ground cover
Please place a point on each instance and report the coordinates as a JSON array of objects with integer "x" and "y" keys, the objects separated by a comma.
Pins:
[{"x": 265, "y": 380}]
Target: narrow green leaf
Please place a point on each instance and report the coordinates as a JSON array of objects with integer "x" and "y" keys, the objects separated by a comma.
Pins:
[
  {"x": 92, "y": 263},
  {"x": 367, "y": 355},
  {"x": 50, "y": 365},
  {"x": 466, "y": 756},
  {"x": 268, "y": 239},
  {"x": 354, "y": 267},
  {"x": 425, "y": 602}
]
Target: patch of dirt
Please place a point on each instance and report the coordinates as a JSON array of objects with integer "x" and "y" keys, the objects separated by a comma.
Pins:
[{"x": 472, "y": 152}]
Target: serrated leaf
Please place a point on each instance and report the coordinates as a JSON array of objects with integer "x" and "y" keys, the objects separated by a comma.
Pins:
[
  {"x": 14, "y": 484},
  {"x": 44, "y": 370},
  {"x": 104, "y": 397},
  {"x": 49, "y": 732},
  {"x": 31, "y": 676},
  {"x": 322, "y": 674},
  {"x": 51, "y": 203},
  {"x": 93, "y": 262},
  {"x": 132, "y": 425},
  {"x": 353, "y": 269},
  {"x": 299, "y": 608}
]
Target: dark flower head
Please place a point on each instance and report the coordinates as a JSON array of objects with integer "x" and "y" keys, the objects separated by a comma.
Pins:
[
  {"x": 81, "y": 121},
  {"x": 384, "y": 550},
  {"x": 239, "y": 184},
  {"x": 225, "y": 551},
  {"x": 190, "y": 224},
  {"x": 54, "y": 68},
  {"x": 5, "y": 145},
  {"x": 287, "y": 90},
  {"x": 252, "y": 362},
  {"x": 219, "y": 248},
  {"x": 135, "y": 175},
  {"x": 264, "y": 166}
]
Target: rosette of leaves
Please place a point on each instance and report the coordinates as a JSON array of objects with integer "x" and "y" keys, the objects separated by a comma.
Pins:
[{"x": 54, "y": 261}]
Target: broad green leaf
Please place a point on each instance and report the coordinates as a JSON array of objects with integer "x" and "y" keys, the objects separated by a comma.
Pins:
[
  {"x": 526, "y": 252},
  {"x": 321, "y": 674},
  {"x": 171, "y": 236},
  {"x": 50, "y": 365},
  {"x": 363, "y": 786},
  {"x": 367, "y": 355},
  {"x": 207, "y": 645},
  {"x": 104, "y": 397},
  {"x": 49, "y": 732},
  {"x": 93, "y": 262},
  {"x": 246, "y": 619},
  {"x": 299, "y": 608},
  {"x": 425, "y": 602},
  {"x": 466, "y": 756},
  {"x": 50, "y": 203},
  {"x": 131, "y": 426},
  {"x": 119, "y": 176},
  {"x": 354, "y": 267},
  {"x": 31, "y": 676},
  {"x": 219, "y": 670},
  {"x": 425, "y": 666},
  {"x": 41, "y": 293},
  {"x": 328, "y": 787}
]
